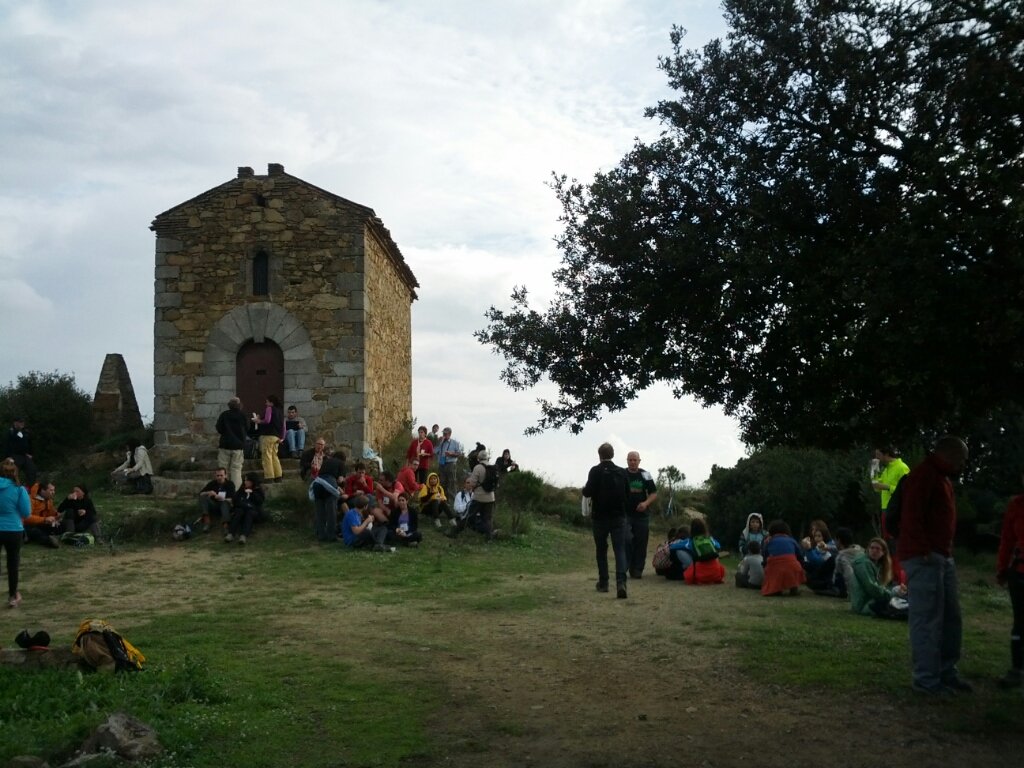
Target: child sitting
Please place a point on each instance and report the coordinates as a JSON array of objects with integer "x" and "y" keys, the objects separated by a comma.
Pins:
[
  {"x": 750, "y": 572},
  {"x": 783, "y": 571},
  {"x": 706, "y": 568},
  {"x": 754, "y": 531}
]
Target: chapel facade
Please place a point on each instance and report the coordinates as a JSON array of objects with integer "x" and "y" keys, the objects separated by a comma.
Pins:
[{"x": 271, "y": 285}]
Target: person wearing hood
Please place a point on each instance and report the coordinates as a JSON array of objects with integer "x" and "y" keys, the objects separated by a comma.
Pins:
[
  {"x": 752, "y": 531},
  {"x": 14, "y": 509},
  {"x": 433, "y": 502},
  {"x": 925, "y": 548}
]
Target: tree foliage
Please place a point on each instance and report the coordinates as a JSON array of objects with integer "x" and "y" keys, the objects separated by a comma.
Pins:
[
  {"x": 58, "y": 413},
  {"x": 825, "y": 239},
  {"x": 793, "y": 484}
]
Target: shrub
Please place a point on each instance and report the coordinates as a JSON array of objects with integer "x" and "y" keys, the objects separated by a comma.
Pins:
[{"x": 59, "y": 414}]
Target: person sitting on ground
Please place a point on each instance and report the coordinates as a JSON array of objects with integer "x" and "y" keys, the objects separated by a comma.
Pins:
[
  {"x": 403, "y": 523},
  {"x": 246, "y": 509},
  {"x": 661, "y": 562},
  {"x": 294, "y": 432},
  {"x": 136, "y": 473},
  {"x": 819, "y": 556},
  {"x": 704, "y": 549},
  {"x": 753, "y": 531},
  {"x": 681, "y": 558},
  {"x": 358, "y": 529},
  {"x": 750, "y": 571},
  {"x": 14, "y": 510},
  {"x": 78, "y": 513},
  {"x": 407, "y": 477},
  {"x": 842, "y": 572},
  {"x": 871, "y": 587},
  {"x": 43, "y": 525},
  {"x": 422, "y": 450},
  {"x": 215, "y": 500},
  {"x": 505, "y": 463},
  {"x": 783, "y": 555},
  {"x": 433, "y": 502},
  {"x": 359, "y": 483},
  {"x": 387, "y": 490},
  {"x": 463, "y": 501}
]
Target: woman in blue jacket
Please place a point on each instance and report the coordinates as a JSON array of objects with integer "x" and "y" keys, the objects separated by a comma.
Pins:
[{"x": 14, "y": 507}]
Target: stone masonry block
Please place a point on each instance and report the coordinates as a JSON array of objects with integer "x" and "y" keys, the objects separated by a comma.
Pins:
[
  {"x": 168, "y": 273},
  {"x": 301, "y": 352},
  {"x": 168, "y": 299},
  {"x": 165, "y": 330},
  {"x": 288, "y": 332},
  {"x": 168, "y": 245},
  {"x": 168, "y": 421},
  {"x": 258, "y": 321},
  {"x": 219, "y": 369},
  {"x": 296, "y": 396},
  {"x": 208, "y": 382},
  {"x": 218, "y": 397},
  {"x": 346, "y": 400},
  {"x": 349, "y": 281},
  {"x": 309, "y": 381},
  {"x": 358, "y": 300},
  {"x": 167, "y": 385},
  {"x": 210, "y": 410},
  {"x": 222, "y": 341},
  {"x": 348, "y": 369},
  {"x": 193, "y": 356},
  {"x": 276, "y": 316},
  {"x": 306, "y": 366}
]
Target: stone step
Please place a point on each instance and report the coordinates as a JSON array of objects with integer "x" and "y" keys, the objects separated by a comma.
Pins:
[
  {"x": 183, "y": 488},
  {"x": 290, "y": 467}
]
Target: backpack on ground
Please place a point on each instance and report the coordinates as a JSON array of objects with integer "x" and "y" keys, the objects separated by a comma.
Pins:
[
  {"x": 101, "y": 646},
  {"x": 662, "y": 560},
  {"x": 704, "y": 549},
  {"x": 78, "y": 539},
  {"x": 891, "y": 516},
  {"x": 490, "y": 483}
]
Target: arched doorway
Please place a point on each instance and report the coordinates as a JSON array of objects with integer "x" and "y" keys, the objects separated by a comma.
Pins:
[{"x": 259, "y": 371}]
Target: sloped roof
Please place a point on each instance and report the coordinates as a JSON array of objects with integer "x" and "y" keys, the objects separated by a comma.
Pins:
[{"x": 276, "y": 171}]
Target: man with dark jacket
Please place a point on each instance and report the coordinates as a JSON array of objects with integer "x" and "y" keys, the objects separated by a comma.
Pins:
[
  {"x": 19, "y": 448},
  {"x": 232, "y": 426},
  {"x": 925, "y": 547},
  {"x": 607, "y": 488}
]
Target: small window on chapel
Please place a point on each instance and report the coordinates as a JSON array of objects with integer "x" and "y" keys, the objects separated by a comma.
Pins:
[{"x": 261, "y": 274}]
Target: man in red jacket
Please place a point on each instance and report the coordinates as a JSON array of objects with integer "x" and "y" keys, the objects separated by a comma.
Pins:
[{"x": 927, "y": 526}]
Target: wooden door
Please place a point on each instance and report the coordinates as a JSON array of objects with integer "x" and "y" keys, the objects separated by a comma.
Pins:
[{"x": 259, "y": 371}]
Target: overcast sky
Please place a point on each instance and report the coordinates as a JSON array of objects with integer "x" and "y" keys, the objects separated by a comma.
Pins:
[{"x": 447, "y": 117}]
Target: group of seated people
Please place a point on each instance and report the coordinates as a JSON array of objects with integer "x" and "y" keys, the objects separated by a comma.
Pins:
[
  {"x": 775, "y": 563},
  {"x": 74, "y": 518},
  {"x": 237, "y": 509}
]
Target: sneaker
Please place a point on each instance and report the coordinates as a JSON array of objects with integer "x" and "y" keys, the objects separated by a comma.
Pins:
[
  {"x": 958, "y": 685},
  {"x": 15, "y": 601},
  {"x": 241, "y": 539},
  {"x": 437, "y": 522},
  {"x": 620, "y": 592},
  {"x": 228, "y": 538},
  {"x": 1012, "y": 679},
  {"x": 601, "y": 586}
]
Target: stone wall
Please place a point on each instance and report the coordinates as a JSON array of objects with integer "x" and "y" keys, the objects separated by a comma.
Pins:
[
  {"x": 315, "y": 309},
  {"x": 388, "y": 346}
]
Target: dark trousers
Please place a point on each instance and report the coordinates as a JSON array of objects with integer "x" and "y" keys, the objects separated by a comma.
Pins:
[
  {"x": 1015, "y": 585},
  {"x": 10, "y": 541},
  {"x": 616, "y": 528},
  {"x": 40, "y": 534},
  {"x": 242, "y": 520},
  {"x": 638, "y": 531},
  {"x": 325, "y": 518},
  {"x": 26, "y": 468}
]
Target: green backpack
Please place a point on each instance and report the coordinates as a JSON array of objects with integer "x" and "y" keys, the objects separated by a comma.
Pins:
[{"x": 704, "y": 549}]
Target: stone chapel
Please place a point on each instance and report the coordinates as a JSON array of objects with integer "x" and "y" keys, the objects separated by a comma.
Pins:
[{"x": 271, "y": 285}]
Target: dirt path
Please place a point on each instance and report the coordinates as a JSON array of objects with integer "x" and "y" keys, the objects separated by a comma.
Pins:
[{"x": 580, "y": 679}]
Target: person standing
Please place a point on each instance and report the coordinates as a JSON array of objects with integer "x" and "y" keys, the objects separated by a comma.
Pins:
[
  {"x": 448, "y": 452},
  {"x": 271, "y": 431},
  {"x": 925, "y": 547},
  {"x": 642, "y": 493},
  {"x": 606, "y": 487},
  {"x": 893, "y": 469},
  {"x": 484, "y": 480},
  {"x": 232, "y": 426},
  {"x": 1010, "y": 574},
  {"x": 423, "y": 450},
  {"x": 14, "y": 509},
  {"x": 19, "y": 448}
]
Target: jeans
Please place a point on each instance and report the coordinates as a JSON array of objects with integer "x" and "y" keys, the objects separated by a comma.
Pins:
[
  {"x": 295, "y": 439},
  {"x": 936, "y": 628},
  {"x": 209, "y": 505},
  {"x": 446, "y": 474},
  {"x": 638, "y": 531},
  {"x": 616, "y": 528}
]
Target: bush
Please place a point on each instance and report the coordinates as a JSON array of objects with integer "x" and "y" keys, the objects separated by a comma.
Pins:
[{"x": 58, "y": 415}]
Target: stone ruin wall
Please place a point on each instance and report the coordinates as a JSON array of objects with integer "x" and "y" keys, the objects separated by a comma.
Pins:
[
  {"x": 388, "y": 346},
  {"x": 203, "y": 274}
]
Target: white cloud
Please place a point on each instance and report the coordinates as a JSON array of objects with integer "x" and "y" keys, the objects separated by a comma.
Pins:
[{"x": 446, "y": 118}]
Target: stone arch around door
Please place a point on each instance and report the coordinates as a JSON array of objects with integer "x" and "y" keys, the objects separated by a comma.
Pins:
[{"x": 257, "y": 322}]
